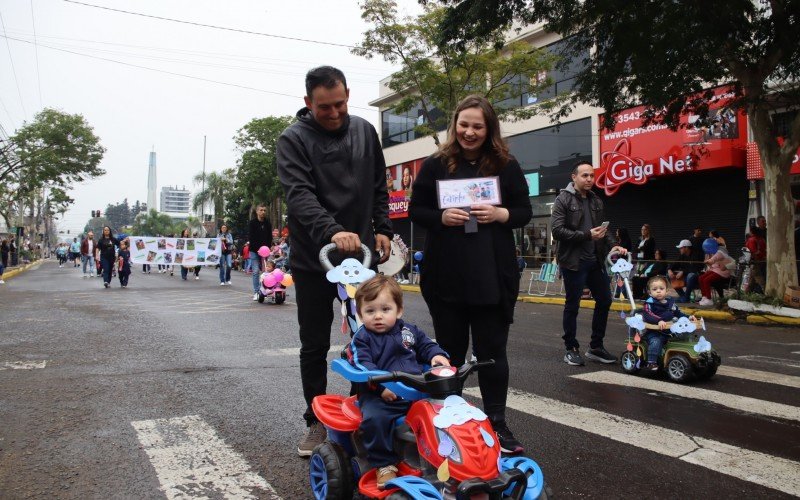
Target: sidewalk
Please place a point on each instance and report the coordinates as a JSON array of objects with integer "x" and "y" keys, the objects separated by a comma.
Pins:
[
  {"x": 10, "y": 272},
  {"x": 624, "y": 306}
]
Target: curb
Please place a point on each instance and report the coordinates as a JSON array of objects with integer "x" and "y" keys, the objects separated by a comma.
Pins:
[
  {"x": 20, "y": 270},
  {"x": 753, "y": 319}
]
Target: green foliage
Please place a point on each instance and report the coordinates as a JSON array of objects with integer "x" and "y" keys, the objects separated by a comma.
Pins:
[
  {"x": 217, "y": 186},
  {"x": 439, "y": 76},
  {"x": 119, "y": 215},
  {"x": 256, "y": 180},
  {"x": 153, "y": 223}
]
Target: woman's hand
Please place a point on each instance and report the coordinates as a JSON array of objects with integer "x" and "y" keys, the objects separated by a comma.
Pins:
[
  {"x": 454, "y": 217},
  {"x": 487, "y": 214}
]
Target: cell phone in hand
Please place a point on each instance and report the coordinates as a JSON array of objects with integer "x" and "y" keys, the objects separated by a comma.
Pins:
[{"x": 605, "y": 224}]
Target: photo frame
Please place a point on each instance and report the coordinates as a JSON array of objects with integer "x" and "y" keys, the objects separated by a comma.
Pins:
[{"x": 460, "y": 193}]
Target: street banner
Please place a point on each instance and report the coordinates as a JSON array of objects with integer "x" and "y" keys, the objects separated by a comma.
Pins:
[{"x": 187, "y": 252}]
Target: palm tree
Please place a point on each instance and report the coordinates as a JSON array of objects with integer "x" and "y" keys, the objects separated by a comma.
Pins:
[
  {"x": 192, "y": 223},
  {"x": 152, "y": 223},
  {"x": 216, "y": 187}
]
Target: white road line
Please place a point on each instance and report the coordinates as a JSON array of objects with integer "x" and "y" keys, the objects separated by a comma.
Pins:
[
  {"x": 295, "y": 351},
  {"x": 191, "y": 461},
  {"x": 742, "y": 403},
  {"x": 759, "y": 376},
  {"x": 759, "y": 468},
  {"x": 23, "y": 365},
  {"x": 769, "y": 360},
  {"x": 779, "y": 343}
]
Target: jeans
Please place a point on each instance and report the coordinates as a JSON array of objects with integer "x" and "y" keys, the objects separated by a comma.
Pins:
[
  {"x": 184, "y": 272},
  {"x": 246, "y": 265},
  {"x": 88, "y": 259},
  {"x": 315, "y": 296},
  {"x": 691, "y": 282},
  {"x": 107, "y": 265},
  {"x": 655, "y": 342},
  {"x": 593, "y": 275},
  {"x": 377, "y": 426},
  {"x": 255, "y": 266},
  {"x": 225, "y": 268}
]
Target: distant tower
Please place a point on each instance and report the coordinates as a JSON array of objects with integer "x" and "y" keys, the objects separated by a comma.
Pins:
[{"x": 151, "y": 183}]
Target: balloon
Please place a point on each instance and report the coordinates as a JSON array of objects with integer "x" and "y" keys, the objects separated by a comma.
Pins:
[
  {"x": 710, "y": 246},
  {"x": 268, "y": 279},
  {"x": 263, "y": 251},
  {"x": 287, "y": 280},
  {"x": 278, "y": 275},
  {"x": 418, "y": 256}
]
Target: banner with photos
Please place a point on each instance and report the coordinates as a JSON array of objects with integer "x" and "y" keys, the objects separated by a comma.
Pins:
[{"x": 187, "y": 252}]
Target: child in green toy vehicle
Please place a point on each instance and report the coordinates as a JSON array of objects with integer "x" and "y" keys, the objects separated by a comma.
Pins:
[{"x": 659, "y": 310}]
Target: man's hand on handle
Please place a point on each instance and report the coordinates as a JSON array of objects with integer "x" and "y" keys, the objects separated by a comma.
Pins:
[
  {"x": 346, "y": 242},
  {"x": 383, "y": 246}
]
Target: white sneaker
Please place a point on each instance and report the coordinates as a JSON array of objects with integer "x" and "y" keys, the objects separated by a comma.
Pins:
[
  {"x": 197, "y": 277},
  {"x": 2, "y": 282},
  {"x": 255, "y": 296},
  {"x": 228, "y": 283},
  {"x": 91, "y": 275},
  {"x": 705, "y": 302},
  {"x": 221, "y": 283}
]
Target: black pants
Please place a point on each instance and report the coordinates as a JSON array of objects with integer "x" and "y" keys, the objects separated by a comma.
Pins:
[
  {"x": 592, "y": 275},
  {"x": 315, "y": 296},
  {"x": 452, "y": 324},
  {"x": 123, "y": 277},
  {"x": 377, "y": 425}
]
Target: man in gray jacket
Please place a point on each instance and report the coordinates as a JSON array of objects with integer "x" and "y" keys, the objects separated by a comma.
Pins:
[
  {"x": 580, "y": 227},
  {"x": 332, "y": 170}
]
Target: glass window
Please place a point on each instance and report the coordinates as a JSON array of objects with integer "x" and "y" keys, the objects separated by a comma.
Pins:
[
  {"x": 397, "y": 128},
  {"x": 553, "y": 151}
]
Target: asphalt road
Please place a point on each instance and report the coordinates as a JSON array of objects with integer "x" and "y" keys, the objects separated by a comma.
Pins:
[{"x": 188, "y": 389}]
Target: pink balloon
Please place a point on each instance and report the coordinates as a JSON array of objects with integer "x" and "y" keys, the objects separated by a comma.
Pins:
[
  {"x": 278, "y": 275},
  {"x": 263, "y": 251},
  {"x": 269, "y": 280}
]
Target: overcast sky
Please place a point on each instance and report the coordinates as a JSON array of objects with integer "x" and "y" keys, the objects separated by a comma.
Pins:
[{"x": 134, "y": 109}]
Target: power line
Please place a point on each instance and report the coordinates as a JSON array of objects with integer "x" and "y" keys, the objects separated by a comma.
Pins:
[
  {"x": 165, "y": 71},
  {"x": 235, "y": 30},
  {"x": 13, "y": 69},
  {"x": 36, "y": 51}
]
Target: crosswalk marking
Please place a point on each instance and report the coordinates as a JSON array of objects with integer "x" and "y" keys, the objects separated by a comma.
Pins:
[
  {"x": 759, "y": 376},
  {"x": 769, "y": 360},
  {"x": 742, "y": 403},
  {"x": 192, "y": 461},
  {"x": 23, "y": 365},
  {"x": 759, "y": 468}
]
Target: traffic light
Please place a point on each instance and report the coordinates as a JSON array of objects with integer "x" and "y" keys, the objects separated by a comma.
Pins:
[
  {"x": 93, "y": 214},
  {"x": 98, "y": 213}
]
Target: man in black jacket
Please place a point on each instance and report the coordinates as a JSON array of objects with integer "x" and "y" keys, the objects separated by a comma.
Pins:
[
  {"x": 332, "y": 170},
  {"x": 260, "y": 236},
  {"x": 583, "y": 243}
]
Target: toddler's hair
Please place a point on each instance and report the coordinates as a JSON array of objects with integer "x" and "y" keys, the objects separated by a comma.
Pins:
[
  {"x": 270, "y": 263},
  {"x": 657, "y": 278},
  {"x": 370, "y": 289},
  {"x": 123, "y": 242}
]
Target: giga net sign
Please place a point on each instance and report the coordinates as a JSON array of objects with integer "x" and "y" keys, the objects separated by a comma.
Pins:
[{"x": 634, "y": 153}]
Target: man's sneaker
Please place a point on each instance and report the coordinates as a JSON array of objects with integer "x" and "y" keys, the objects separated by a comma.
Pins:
[
  {"x": 508, "y": 443},
  {"x": 105, "y": 284},
  {"x": 600, "y": 354},
  {"x": 228, "y": 283},
  {"x": 255, "y": 296},
  {"x": 197, "y": 277},
  {"x": 221, "y": 283},
  {"x": 315, "y": 435},
  {"x": 385, "y": 474},
  {"x": 573, "y": 357}
]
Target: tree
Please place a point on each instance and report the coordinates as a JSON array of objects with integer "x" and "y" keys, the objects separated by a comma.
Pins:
[
  {"x": 153, "y": 223},
  {"x": 437, "y": 77},
  {"x": 257, "y": 175},
  {"x": 662, "y": 53},
  {"x": 217, "y": 186},
  {"x": 119, "y": 215}
]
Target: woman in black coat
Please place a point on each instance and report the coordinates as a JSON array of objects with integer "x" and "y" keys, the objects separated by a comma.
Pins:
[{"x": 470, "y": 280}]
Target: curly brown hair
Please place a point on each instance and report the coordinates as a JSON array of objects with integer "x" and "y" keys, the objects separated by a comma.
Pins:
[{"x": 370, "y": 289}]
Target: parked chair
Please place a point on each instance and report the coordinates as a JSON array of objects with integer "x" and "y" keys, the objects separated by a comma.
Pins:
[{"x": 547, "y": 275}]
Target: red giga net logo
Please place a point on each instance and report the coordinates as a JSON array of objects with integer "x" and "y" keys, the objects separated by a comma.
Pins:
[{"x": 618, "y": 167}]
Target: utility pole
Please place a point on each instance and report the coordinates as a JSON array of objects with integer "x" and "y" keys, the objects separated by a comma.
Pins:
[{"x": 203, "y": 205}]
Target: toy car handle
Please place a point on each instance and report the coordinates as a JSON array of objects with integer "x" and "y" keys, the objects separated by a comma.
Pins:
[
  {"x": 326, "y": 262},
  {"x": 628, "y": 292},
  {"x": 417, "y": 381},
  {"x": 612, "y": 253},
  {"x": 699, "y": 323}
]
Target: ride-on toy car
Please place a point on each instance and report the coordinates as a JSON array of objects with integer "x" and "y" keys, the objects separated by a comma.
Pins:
[
  {"x": 273, "y": 286},
  {"x": 447, "y": 447},
  {"x": 685, "y": 354}
]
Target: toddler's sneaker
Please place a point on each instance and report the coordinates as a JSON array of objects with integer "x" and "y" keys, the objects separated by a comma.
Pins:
[
  {"x": 651, "y": 367},
  {"x": 2, "y": 282},
  {"x": 386, "y": 474}
]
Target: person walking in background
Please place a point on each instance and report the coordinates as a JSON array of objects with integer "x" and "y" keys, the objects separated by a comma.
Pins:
[
  {"x": 246, "y": 257},
  {"x": 482, "y": 300},
  {"x": 12, "y": 249},
  {"x": 87, "y": 255},
  {"x": 260, "y": 235},
  {"x": 75, "y": 252},
  {"x": 580, "y": 227},
  {"x": 4, "y": 251},
  {"x": 316, "y": 154},
  {"x": 226, "y": 261},
  {"x": 107, "y": 253},
  {"x": 124, "y": 263}
]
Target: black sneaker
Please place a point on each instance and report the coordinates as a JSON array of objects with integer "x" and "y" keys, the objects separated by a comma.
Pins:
[
  {"x": 508, "y": 443},
  {"x": 573, "y": 357},
  {"x": 600, "y": 354}
]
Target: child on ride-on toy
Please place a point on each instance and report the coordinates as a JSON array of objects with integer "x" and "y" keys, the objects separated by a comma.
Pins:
[
  {"x": 658, "y": 310},
  {"x": 387, "y": 343}
]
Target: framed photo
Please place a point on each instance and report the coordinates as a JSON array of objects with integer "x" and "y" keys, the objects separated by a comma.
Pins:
[{"x": 460, "y": 193}]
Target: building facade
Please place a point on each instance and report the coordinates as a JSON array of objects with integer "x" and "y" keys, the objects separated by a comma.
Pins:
[{"x": 176, "y": 202}]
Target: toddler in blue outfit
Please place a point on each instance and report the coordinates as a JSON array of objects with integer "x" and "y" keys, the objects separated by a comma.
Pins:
[
  {"x": 658, "y": 310},
  {"x": 386, "y": 342}
]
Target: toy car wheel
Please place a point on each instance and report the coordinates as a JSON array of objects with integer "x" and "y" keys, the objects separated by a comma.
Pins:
[
  {"x": 707, "y": 372},
  {"x": 279, "y": 298},
  {"x": 329, "y": 472},
  {"x": 260, "y": 298},
  {"x": 679, "y": 369},
  {"x": 400, "y": 495},
  {"x": 629, "y": 361}
]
